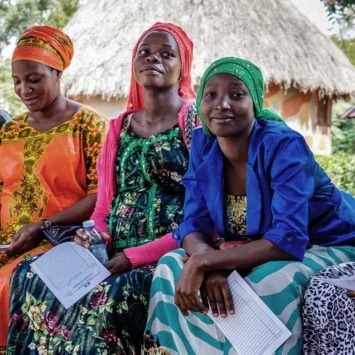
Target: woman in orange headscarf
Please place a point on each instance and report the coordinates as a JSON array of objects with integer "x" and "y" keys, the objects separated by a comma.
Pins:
[
  {"x": 140, "y": 201},
  {"x": 48, "y": 155}
]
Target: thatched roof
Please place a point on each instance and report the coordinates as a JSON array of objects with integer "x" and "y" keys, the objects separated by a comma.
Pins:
[{"x": 274, "y": 34}]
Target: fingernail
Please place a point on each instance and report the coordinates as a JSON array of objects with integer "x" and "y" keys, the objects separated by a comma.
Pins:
[
  {"x": 231, "y": 312},
  {"x": 215, "y": 314},
  {"x": 223, "y": 315}
]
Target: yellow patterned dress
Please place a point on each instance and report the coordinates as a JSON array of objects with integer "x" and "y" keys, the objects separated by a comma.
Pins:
[
  {"x": 42, "y": 174},
  {"x": 235, "y": 219}
]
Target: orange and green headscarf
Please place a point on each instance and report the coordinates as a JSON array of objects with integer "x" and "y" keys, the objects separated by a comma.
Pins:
[
  {"x": 46, "y": 45},
  {"x": 250, "y": 75}
]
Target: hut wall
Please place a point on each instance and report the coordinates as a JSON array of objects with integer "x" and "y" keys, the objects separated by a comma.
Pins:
[
  {"x": 109, "y": 109},
  {"x": 304, "y": 113}
]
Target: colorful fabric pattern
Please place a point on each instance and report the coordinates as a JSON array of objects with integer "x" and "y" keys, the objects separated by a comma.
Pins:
[
  {"x": 280, "y": 284},
  {"x": 38, "y": 166},
  {"x": 46, "y": 45},
  {"x": 109, "y": 320},
  {"x": 235, "y": 218},
  {"x": 251, "y": 76},
  {"x": 150, "y": 198}
]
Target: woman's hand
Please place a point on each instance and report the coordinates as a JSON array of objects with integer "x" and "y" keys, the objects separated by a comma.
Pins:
[
  {"x": 215, "y": 291},
  {"x": 25, "y": 239},
  {"x": 188, "y": 285},
  {"x": 81, "y": 238},
  {"x": 119, "y": 264}
]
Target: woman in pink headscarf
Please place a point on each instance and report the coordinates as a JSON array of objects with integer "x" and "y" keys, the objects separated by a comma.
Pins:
[{"x": 140, "y": 201}]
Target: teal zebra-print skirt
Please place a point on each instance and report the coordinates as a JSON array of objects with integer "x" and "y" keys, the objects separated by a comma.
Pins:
[{"x": 280, "y": 284}]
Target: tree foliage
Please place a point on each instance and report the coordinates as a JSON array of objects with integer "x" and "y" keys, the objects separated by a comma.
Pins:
[
  {"x": 340, "y": 168},
  {"x": 343, "y": 136},
  {"x": 343, "y": 10},
  {"x": 16, "y": 16},
  {"x": 13, "y": 104},
  {"x": 347, "y": 46}
]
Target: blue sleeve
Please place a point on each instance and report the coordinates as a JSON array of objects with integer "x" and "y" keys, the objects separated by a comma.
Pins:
[
  {"x": 290, "y": 168},
  {"x": 196, "y": 214}
]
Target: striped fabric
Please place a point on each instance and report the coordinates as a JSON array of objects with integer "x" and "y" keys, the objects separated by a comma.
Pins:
[{"x": 280, "y": 284}]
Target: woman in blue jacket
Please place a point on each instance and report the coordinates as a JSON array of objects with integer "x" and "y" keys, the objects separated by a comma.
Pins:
[{"x": 254, "y": 181}]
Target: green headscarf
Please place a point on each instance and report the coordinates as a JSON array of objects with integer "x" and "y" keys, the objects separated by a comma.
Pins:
[{"x": 251, "y": 76}]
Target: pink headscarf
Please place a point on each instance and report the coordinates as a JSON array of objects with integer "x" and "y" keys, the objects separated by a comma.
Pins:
[{"x": 135, "y": 97}]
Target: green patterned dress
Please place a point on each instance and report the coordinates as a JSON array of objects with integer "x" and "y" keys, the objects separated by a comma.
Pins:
[{"x": 112, "y": 317}]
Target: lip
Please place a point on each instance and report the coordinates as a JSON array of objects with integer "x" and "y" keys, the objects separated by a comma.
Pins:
[
  {"x": 222, "y": 119},
  {"x": 30, "y": 100},
  {"x": 151, "y": 68}
]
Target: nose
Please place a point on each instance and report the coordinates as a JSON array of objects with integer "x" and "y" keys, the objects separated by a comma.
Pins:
[
  {"x": 25, "y": 90},
  {"x": 223, "y": 104},
  {"x": 153, "y": 58}
]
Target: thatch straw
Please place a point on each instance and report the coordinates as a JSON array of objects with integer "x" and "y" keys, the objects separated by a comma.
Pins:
[{"x": 274, "y": 34}]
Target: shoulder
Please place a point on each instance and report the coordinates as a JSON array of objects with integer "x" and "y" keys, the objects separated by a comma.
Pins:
[
  {"x": 276, "y": 142},
  {"x": 17, "y": 119},
  {"x": 274, "y": 131},
  {"x": 270, "y": 134},
  {"x": 198, "y": 135},
  {"x": 201, "y": 144},
  {"x": 89, "y": 116},
  {"x": 14, "y": 123},
  {"x": 189, "y": 107}
]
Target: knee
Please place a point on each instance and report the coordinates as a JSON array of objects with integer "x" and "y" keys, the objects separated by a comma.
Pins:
[{"x": 175, "y": 256}]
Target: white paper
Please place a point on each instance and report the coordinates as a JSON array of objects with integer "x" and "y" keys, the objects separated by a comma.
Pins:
[
  {"x": 347, "y": 282},
  {"x": 253, "y": 329},
  {"x": 70, "y": 272}
]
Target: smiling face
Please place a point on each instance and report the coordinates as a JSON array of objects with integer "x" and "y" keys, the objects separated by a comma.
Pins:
[
  {"x": 157, "y": 63},
  {"x": 227, "y": 106},
  {"x": 35, "y": 84}
]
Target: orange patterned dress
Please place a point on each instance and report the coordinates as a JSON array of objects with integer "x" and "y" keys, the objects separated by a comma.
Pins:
[{"x": 42, "y": 174}]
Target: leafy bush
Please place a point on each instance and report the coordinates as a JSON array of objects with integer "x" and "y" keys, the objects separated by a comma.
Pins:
[
  {"x": 343, "y": 134},
  {"x": 341, "y": 169}
]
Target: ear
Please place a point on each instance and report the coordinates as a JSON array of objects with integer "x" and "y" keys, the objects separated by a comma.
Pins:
[{"x": 59, "y": 74}]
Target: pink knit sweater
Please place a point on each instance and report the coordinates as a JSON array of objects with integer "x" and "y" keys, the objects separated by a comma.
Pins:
[{"x": 152, "y": 251}]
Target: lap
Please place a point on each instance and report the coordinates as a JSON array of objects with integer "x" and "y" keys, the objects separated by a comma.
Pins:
[{"x": 110, "y": 317}]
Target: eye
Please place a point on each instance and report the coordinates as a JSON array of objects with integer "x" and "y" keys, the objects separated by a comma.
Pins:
[
  {"x": 237, "y": 95},
  {"x": 34, "y": 81},
  {"x": 210, "y": 94},
  {"x": 142, "y": 52},
  {"x": 16, "y": 82},
  {"x": 167, "y": 55}
]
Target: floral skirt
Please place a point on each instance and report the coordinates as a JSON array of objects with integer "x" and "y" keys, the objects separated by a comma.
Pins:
[
  {"x": 7, "y": 265},
  {"x": 109, "y": 320}
]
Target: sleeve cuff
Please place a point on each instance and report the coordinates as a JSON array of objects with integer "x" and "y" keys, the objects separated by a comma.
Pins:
[
  {"x": 290, "y": 242},
  {"x": 202, "y": 225},
  {"x": 150, "y": 252},
  {"x": 92, "y": 191}
]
